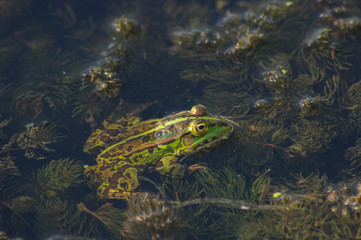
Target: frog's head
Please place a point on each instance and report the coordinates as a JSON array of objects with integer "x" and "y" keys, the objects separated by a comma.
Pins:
[{"x": 200, "y": 130}]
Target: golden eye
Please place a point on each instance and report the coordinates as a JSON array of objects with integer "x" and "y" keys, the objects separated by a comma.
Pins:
[{"x": 199, "y": 127}]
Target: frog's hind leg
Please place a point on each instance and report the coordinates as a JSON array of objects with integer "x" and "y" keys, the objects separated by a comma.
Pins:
[
  {"x": 125, "y": 176},
  {"x": 93, "y": 177},
  {"x": 119, "y": 182},
  {"x": 107, "y": 192}
]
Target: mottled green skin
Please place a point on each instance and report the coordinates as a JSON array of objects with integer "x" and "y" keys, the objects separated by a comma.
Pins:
[{"x": 128, "y": 147}]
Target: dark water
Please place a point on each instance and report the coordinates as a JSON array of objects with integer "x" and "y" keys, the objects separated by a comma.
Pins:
[{"x": 286, "y": 73}]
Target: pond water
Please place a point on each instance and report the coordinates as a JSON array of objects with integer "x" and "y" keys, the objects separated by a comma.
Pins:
[{"x": 285, "y": 74}]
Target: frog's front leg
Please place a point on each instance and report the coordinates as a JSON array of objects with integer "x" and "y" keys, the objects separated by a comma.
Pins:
[
  {"x": 117, "y": 182},
  {"x": 168, "y": 166}
]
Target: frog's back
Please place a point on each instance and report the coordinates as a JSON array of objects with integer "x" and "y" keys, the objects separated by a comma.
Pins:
[
  {"x": 146, "y": 142},
  {"x": 119, "y": 131}
]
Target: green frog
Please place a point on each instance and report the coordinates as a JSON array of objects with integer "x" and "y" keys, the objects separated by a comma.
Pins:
[{"x": 128, "y": 147}]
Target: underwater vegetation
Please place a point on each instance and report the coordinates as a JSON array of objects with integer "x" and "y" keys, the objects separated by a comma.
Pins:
[
  {"x": 285, "y": 73},
  {"x": 34, "y": 140}
]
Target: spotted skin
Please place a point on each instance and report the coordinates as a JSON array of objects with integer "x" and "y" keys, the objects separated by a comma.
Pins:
[{"x": 126, "y": 148}]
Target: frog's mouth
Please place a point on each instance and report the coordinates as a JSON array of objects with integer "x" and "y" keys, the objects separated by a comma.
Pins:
[
  {"x": 187, "y": 152},
  {"x": 200, "y": 144},
  {"x": 215, "y": 141}
]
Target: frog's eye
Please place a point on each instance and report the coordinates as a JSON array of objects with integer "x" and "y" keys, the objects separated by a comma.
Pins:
[
  {"x": 199, "y": 127},
  {"x": 199, "y": 110}
]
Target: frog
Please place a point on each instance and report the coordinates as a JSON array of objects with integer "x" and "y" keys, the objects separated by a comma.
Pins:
[{"x": 127, "y": 148}]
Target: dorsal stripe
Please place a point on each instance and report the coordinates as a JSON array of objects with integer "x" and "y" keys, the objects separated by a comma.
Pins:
[{"x": 151, "y": 145}]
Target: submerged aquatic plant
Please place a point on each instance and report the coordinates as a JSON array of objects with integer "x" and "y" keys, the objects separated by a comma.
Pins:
[
  {"x": 109, "y": 217},
  {"x": 7, "y": 167},
  {"x": 34, "y": 140},
  {"x": 210, "y": 200},
  {"x": 126, "y": 29},
  {"x": 150, "y": 217},
  {"x": 47, "y": 82},
  {"x": 4, "y": 123},
  {"x": 310, "y": 208},
  {"x": 55, "y": 178},
  {"x": 102, "y": 82},
  {"x": 63, "y": 217},
  {"x": 53, "y": 95}
]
